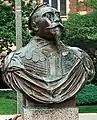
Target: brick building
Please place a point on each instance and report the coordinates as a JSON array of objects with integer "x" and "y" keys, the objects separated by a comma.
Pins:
[
  {"x": 79, "y": 6},
  {"x": 69, "y": 6},
  {"x": 64, "y": 6}
]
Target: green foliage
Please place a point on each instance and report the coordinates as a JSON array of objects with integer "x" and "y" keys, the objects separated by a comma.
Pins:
[
  {"x": 27, "y": 9},
  {"x": 8, "y": 94},
  {"x": 81, "y": 28},
  {"x": 87, "y": 96},
  {"x": 7, "y": 23},
  {"x": 92, "y": 3}
]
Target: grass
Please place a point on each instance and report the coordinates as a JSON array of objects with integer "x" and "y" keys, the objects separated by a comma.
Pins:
[
  {"x": 88, "y": 109},
  {"x": 8, "y": 103},
  {"x": 7, "y": 106}
]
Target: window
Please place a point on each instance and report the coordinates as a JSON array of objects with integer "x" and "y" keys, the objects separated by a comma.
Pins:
[
  {"x": 63, "y": 7},
  {"x": 46, "y": 1},
  {"x": 60, "y": 5}
]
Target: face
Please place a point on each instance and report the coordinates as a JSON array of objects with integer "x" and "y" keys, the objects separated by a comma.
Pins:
[{"x": 48, "y": 23}]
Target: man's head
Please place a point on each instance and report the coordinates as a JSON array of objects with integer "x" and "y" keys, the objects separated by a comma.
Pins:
[{"x": 45, "y": 22}]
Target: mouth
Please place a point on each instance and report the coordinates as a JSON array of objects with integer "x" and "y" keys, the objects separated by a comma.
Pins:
[{"x": 54, "y": 25}]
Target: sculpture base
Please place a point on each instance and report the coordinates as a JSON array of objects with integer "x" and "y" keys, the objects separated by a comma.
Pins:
[{"x": 50, "y": 113}]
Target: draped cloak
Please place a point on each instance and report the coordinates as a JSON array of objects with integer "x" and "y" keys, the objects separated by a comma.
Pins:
[{"x": 47, "y": 74}]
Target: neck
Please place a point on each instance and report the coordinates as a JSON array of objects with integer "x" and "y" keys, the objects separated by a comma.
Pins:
[
  {"x": 54, "y": 41},
  {"x": 58, "y": 44}
]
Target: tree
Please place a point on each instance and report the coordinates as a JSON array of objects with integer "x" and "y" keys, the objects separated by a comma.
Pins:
[
  {"x": 7, "y": 23},
  {"x": 92, "y": 3},
  {"x": 81, "y": 31}
]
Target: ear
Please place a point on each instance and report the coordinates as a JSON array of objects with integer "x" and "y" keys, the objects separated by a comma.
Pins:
[{"x": 34, "y": 27}]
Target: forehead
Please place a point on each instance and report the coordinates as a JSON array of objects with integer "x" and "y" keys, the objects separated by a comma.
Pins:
[{"x": 44, "y": 10}]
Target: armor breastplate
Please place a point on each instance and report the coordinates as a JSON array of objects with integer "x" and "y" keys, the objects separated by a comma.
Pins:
[
  {"x": 46, "y": 74},
  {"x": 51, "y": 66}
]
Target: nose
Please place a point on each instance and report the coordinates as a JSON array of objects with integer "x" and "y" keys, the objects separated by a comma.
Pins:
[
  {"x": 56, "y": 18},
  {"x": 57, "y": 21}
]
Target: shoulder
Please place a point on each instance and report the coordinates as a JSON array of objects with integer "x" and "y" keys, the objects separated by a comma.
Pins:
[
  {"x": 8, "y": 59},
  {"x": 77, "y": 51},
  {"x": 74, "y": 49}
]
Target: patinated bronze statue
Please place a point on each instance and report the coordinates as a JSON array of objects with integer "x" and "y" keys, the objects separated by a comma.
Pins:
[{"x": 46, "y": 70}]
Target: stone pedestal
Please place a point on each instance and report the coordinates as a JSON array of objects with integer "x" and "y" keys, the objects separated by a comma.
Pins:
[
  {"x": 19, "y": 102},
  {"x": 50, "y": 113}
]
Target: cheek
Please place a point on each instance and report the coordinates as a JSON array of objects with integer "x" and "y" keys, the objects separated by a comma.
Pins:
[
  {"x": 45, "y": 23},
  {"x": 48, "y": 22},
  {"x": 55, "y": 31}
]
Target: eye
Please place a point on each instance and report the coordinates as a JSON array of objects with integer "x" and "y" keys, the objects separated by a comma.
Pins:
[
  {"x": 49, "y": 15},
  {"x": 57, "y": 14}
]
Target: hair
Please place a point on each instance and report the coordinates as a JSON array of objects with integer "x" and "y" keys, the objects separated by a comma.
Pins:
[{"x": 32, "y": 13}]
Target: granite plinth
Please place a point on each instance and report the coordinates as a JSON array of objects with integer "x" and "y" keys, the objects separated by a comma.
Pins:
[{"x": 50, "y": 114}]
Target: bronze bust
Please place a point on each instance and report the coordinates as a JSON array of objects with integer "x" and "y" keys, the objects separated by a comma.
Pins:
[{"x": 46, "y": 70}]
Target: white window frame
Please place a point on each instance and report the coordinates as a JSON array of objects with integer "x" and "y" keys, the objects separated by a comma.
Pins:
[{"x": 58, "y": 7}]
